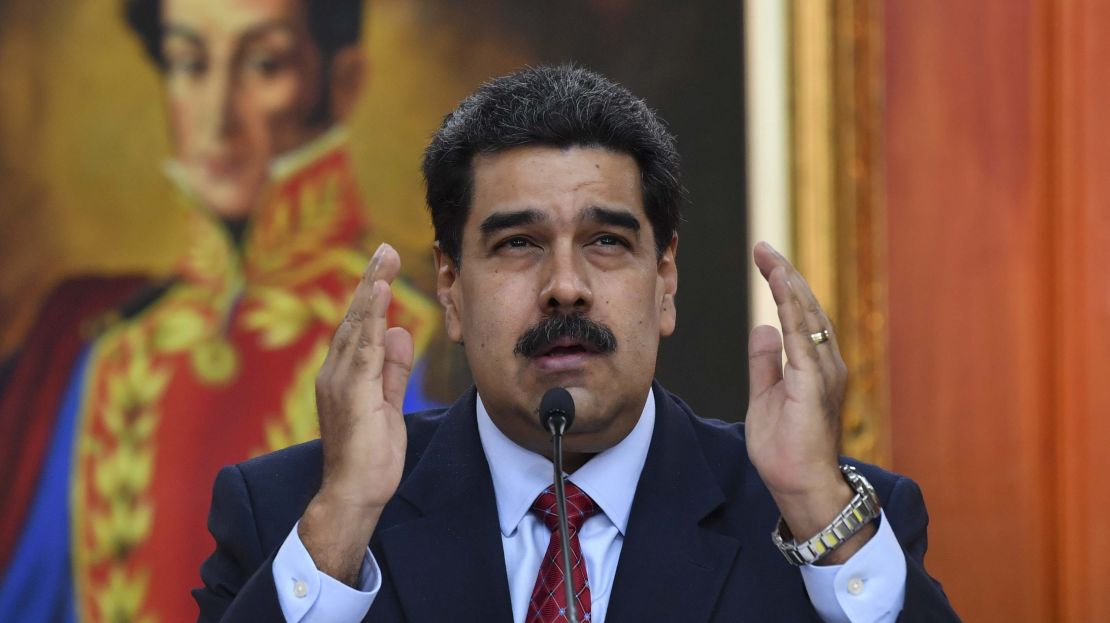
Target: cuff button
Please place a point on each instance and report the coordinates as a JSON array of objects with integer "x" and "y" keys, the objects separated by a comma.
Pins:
[{"x": 855, "y": 586}]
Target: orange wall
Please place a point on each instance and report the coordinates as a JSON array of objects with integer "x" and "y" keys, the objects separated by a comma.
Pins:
[
  {"x": 997, "y": 152},
  {"x": 1080, "y": 199}
]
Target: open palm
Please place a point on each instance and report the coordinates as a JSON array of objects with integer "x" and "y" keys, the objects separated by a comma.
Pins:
[{"x": 793, "y": 420}]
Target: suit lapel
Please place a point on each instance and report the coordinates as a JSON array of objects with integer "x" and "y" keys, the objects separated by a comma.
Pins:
[
  {"x": 448, "y": 563},
  {"x": 671, "y": 568}
]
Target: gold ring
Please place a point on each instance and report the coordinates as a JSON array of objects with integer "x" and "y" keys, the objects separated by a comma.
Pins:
[{"x": 819, "y": 337}]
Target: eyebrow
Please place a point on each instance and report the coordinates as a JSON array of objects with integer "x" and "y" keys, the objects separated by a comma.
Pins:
[
  {"x": 179, "y": 30},
  {"x": 257, "y": 32},
  {"x": 499, "y": 221},
  {"x": 614, "y": 218},
  {"x": 173, "y": 29}
]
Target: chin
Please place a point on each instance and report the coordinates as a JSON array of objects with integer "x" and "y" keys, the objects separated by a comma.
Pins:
[
  {"x": 591, "y": 418},
  {"x": 227, "y": 205},
  {"x": 230, "y": 196},
  {"x": 588, "y": 442}
]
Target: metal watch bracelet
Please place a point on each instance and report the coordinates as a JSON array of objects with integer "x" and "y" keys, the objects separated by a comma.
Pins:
[{"x": 863, "y": 509}]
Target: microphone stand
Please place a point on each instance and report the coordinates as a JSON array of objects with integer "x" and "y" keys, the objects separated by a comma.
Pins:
[{"x": 558, "y": 424}]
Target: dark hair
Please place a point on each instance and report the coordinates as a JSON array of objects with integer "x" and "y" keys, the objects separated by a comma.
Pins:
[
  {"x": 333, "y": 25},
  {"x": 561, "y": 106}
]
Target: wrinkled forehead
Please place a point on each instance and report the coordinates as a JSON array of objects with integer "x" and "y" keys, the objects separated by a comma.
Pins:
[{"x": 560, "y": 183}]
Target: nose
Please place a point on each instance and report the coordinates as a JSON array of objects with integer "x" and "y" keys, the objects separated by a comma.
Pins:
[
  {"x": 566, "y": 281},
  {"x": 218, "y": 111}
]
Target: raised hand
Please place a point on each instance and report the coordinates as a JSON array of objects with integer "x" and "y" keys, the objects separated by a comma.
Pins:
[
  {"x": 793, "y": 420},
  {"x": 359, "y": 392}
]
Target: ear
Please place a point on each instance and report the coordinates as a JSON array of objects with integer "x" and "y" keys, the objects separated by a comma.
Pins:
[
  {"x": 667, "y": 284},
  {"x": 348, "y": 73},
  {"x": 448, "y": 292}
]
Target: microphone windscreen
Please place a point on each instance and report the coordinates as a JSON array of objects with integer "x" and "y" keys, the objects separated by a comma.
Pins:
[{"x": 557, "y": 401}]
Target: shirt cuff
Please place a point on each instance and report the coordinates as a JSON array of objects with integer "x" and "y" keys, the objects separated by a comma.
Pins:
[
  {"x": 307, "y": 594},
  {"x": 869, "y": 586}
]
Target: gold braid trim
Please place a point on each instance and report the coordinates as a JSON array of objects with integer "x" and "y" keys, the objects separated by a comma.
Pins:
[
  {"x": 282, "y": 317},
  {"x": 112, "y": 511},
  {"x": 297, "y": 422}
]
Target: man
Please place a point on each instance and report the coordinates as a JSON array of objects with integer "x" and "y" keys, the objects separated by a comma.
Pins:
[
  {"x": 128, "y": 392},
  {"x": 555, "y": 199}
]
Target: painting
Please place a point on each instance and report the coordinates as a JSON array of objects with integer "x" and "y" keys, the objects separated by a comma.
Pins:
[{"x": 191, "y": 191}]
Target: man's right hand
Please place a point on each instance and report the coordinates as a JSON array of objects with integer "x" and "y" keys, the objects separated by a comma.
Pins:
[{"x": 359, "y": 392}]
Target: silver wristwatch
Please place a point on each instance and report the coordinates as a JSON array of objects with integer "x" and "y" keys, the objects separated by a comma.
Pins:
[{"x": 863, "y": 509}]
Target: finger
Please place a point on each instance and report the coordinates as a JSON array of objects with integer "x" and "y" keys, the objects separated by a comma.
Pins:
[
  {"x": 828, "y": 353},
  {"x": 767, "y": 258},
  {"x": 832, "y": 363},
  {"x": 398, "y": 365},
  {"x": 384, "y": 265},
  {"x": 815, "y": 315},
  {"x": 801, "y": 353},
  {"x": 829, "y": 358},
  {"x": 347, "y": 333},
  {"x": 369, "y": 352},
  {"x": 764, "y": 359},
  {"x": 388, "y": 263}
]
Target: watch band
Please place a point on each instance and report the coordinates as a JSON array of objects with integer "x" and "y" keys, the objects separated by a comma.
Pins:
[{"x": 863, "y": 509}]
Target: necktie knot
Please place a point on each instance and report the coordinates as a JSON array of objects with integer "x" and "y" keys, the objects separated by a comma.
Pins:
[{"x": 580, "y": 507}]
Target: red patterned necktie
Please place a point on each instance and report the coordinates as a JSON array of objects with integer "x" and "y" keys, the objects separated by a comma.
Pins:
[{"x": 549, "y": 598}]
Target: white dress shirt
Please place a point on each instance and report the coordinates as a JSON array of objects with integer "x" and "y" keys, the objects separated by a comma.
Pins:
[{"x": 870, "y": 586}]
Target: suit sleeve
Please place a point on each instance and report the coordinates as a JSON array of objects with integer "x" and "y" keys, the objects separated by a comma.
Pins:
[
  {"x": 925, "y": 599},
  {"x": 238, "y": 577}
]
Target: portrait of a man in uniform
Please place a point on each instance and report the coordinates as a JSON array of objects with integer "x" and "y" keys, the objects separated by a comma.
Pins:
[{"x": 129, "y": 392}]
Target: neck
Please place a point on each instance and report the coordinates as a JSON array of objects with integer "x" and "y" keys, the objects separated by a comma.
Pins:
[
  {"x": 237, "y": 227},
  {"x": 595, "y": 429},
  {"x": 579, "y": 446},
  {"x": 573, "y": 460}
]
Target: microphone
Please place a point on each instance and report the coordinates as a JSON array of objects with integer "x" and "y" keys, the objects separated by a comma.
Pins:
[
  {"x": 557, "y": 411},
  {"x": 556, "y": 415}
]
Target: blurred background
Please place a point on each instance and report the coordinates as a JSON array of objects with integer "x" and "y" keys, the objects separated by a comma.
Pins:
[
  {"x": 932, "y": 168},
  {"x": 935, "y": 167}
]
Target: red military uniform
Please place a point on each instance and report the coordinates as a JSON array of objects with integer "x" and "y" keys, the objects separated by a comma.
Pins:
[{"x": 220, "y": 368}]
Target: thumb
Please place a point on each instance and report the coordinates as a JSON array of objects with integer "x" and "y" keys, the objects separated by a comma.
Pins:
[
  {"x": 398, "y": 365},
  {"x": 764, "y": 359}
]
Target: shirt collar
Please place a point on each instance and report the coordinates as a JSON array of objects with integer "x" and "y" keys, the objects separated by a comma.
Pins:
[{"x": 609, "y": 478}]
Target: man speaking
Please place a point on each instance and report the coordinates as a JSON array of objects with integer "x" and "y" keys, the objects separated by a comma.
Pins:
[{"x": 555, "y": 199}]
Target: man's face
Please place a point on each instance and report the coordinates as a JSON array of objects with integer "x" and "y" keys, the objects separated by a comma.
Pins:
[
  {"x": 553, "y": 232},
  {"x": 242, "y": 79}
]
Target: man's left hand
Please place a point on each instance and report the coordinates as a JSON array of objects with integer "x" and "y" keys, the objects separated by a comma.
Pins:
[{"x": 793, "y": 420}]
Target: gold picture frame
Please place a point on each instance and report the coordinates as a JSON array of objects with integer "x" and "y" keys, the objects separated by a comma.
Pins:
[{"x": 838, "y": 224}]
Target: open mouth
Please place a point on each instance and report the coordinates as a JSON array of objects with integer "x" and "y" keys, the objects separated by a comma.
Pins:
[{"x": 565, "y": 346}]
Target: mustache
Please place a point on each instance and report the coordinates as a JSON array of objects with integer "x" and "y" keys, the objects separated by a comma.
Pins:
[{"x": 593, "y": 334}]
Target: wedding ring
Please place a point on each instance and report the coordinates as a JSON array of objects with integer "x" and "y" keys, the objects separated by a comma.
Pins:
[{"x": 819, "y": 337}]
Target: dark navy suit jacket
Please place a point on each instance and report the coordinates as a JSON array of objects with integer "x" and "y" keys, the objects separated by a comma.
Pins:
[{"x": 697, "y": 546}]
